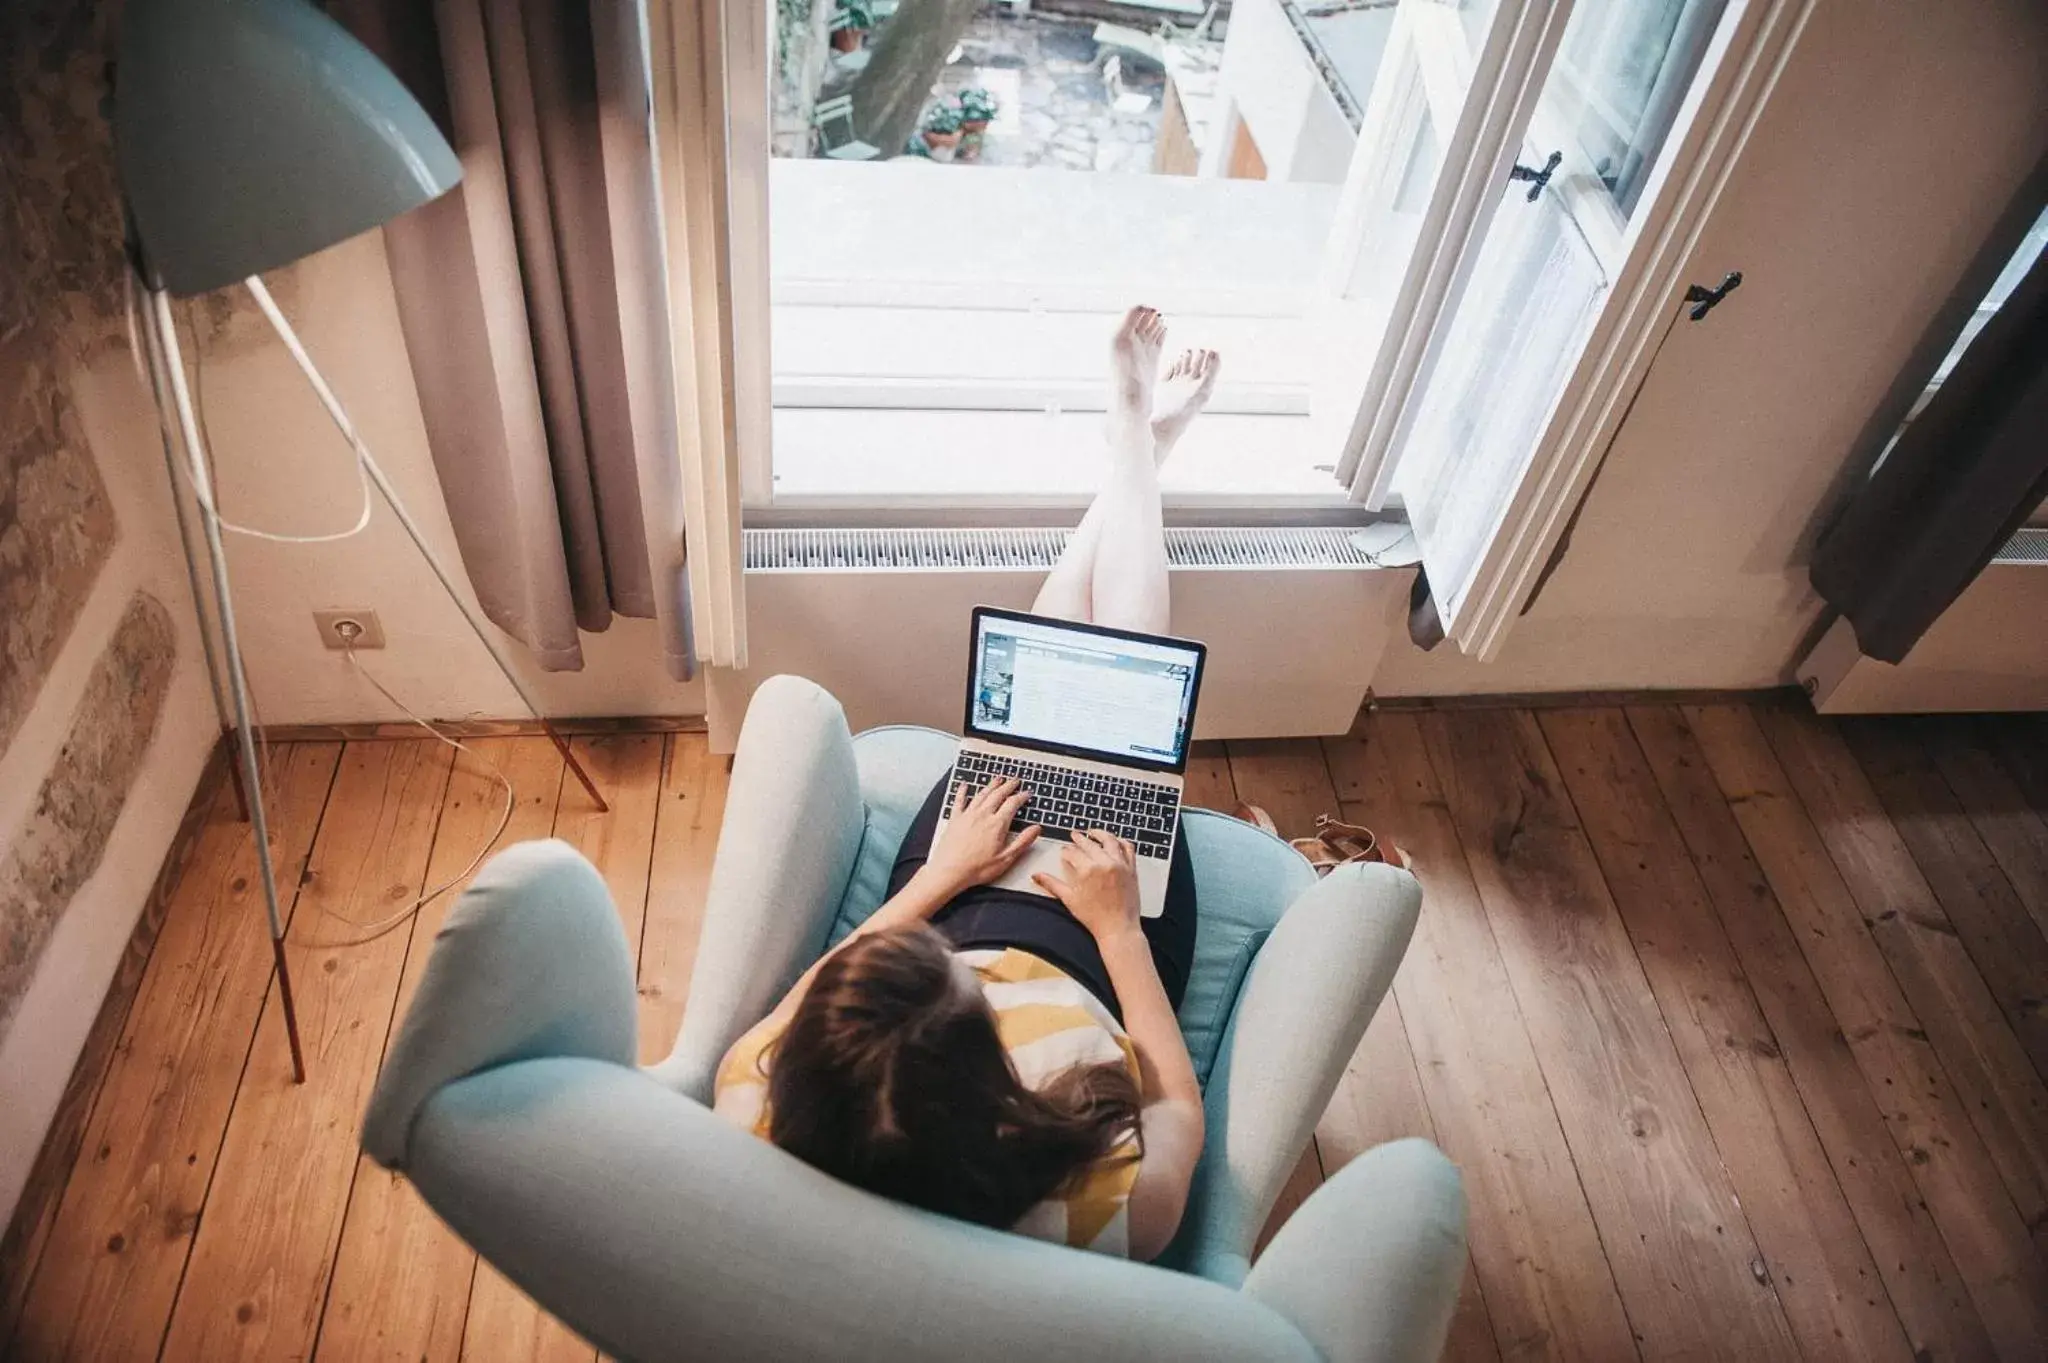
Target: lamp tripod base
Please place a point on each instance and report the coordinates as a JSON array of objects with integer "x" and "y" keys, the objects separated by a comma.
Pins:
[
  {"x": 291, "y": 1013},
  {"x": 231, "y": 687}
]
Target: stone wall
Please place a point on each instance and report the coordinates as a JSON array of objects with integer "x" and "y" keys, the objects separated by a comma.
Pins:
[
  {"x": 105, "y": 721},
  {"x": 62, "y": 305},
  {"x": 81, "y": 798},
  {"x": 61, "y": 296}
]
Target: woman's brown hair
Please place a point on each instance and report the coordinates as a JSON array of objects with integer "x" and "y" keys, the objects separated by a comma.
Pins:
[{"x": 891, "y": 1077}]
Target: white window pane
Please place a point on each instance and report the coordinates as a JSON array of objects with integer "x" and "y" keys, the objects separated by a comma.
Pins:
[{"x": 1534, "y": 291}]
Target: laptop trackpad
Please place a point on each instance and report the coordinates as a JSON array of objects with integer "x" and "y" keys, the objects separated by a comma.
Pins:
[{"x": 1044, "y": 856}]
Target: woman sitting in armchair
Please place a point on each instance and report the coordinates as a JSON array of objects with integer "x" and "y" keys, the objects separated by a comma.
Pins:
[{"x": 1037, "y": 1082}]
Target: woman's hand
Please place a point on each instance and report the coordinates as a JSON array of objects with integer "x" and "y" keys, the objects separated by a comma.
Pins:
[
  {"x": 977, "y": 847},
  {"x": 1099, "y": 885}
]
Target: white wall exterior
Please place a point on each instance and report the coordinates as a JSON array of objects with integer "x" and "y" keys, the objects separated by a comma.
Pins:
[{"x": 1268, "y": 83}]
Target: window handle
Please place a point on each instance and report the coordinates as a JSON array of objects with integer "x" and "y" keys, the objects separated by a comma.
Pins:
[
  {"x": 1537, "y": 178},
  {"x": 1704, "y": 300}
]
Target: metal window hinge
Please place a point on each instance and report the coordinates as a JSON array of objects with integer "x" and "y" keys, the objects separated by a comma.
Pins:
[
  {"x": 1537, "y": 178},
  {"x": 1704, "y": 299}
]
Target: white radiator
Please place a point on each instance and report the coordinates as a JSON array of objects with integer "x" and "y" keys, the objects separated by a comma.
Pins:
[{"x": 1295, "y": 619}]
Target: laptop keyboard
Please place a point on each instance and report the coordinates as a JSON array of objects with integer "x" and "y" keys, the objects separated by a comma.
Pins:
[{"x": 1063, "y": 799}]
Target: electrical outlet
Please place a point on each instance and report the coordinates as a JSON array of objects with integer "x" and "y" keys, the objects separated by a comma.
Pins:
[{"x": 349, "y": 629}]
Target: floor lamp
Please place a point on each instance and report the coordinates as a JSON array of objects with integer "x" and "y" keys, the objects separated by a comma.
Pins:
[{"x": 250, "y": 134}]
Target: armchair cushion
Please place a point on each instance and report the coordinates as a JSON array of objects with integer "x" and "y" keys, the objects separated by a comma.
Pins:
[{"x": 1244, "y": 878}]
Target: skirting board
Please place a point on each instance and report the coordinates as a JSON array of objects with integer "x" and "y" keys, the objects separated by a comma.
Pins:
[
  {"x": 1568, "y": 700},
  {"x": 593, "y": 726}
]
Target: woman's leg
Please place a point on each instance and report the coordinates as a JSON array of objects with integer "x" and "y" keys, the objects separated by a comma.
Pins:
[{"x": 1113, "y": 571}]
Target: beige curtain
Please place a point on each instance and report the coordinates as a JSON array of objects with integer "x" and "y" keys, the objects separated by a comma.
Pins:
[{"x": 534, "y": 309}]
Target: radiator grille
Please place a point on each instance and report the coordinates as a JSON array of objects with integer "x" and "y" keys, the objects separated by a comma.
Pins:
[
  {"x": 2030, "y": 545},
  {"x": 782, "y": 551}
]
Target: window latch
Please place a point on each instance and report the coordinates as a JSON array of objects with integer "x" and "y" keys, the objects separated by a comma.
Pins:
[
  {"x": 1537, "y": 178},
  {"x": 1704, "y": 300}
]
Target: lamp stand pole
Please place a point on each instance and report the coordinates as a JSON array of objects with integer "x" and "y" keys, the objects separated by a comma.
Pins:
[
  {"x": 164, "y": 333},
  {"x": 160, "y": 392}
]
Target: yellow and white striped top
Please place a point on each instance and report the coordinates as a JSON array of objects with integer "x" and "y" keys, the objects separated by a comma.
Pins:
[{"x": 1048, "y": 1023}]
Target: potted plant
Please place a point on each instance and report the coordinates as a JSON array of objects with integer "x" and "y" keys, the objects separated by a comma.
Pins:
[
  {"x": 977, "y": 109},
  {"x": 942, "y": 126},
  {"x": 850, "y": 25}
]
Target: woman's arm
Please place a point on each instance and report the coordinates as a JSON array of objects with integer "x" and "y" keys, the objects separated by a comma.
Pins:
[
  {"x": 977, "y": 849},
  {"x": 1100, "y": 887}
]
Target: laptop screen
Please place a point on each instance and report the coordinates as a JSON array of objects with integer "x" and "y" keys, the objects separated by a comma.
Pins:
[{"x": 1083, "y": 690}]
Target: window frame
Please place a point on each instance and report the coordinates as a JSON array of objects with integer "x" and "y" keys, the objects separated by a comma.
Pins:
[{"x": 711, "y": 85}]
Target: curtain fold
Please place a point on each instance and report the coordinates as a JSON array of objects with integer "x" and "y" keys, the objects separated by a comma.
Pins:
[
  {"x": 1963, "y": 476},
  {"x": 533, "y": 303}
]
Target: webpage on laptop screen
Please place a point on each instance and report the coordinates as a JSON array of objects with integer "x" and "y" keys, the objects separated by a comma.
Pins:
[{"x": 1119, "y": 697}]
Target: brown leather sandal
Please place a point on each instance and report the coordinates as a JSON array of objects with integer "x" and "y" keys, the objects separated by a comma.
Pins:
[{"x": 1335, "y": 843}]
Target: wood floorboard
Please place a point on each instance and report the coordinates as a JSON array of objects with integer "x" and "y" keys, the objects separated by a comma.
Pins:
[
  {"x": 1680, "y": 1247},
  {"x": 35, "y": 1211},
  {"x": 2001, "y": 936},
  {"x": 1380, "y": 1100},
  {"x": 1993, "y": 766},
  {"x": 258, "y": 1272},
  {"x": 1812, "y": 1252},
  {"x": 110, "y": 1272},
  {"x": 1208, "y": 784},
  {"x": 1996, "y": 1083},
  {"x": 401, "y": 1284},
  {"x": 1911, "y": 1257},
  {"x": 1548, "y": 1288},
  {"x": 1729, "y": 1016},
  {"x": 1956, "y": 1175}
]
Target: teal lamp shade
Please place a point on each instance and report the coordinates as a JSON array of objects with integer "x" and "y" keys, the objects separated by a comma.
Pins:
[{"x": 251, "y": 133}]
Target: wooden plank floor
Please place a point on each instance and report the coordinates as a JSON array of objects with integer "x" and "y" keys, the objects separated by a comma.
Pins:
[{"x": 1735, "y": 1019}]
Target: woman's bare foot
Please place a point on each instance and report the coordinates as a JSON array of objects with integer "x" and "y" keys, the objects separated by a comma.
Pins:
[
  {"x": 1181, "y": 394},
  {"x": 1134, "y": 366}
]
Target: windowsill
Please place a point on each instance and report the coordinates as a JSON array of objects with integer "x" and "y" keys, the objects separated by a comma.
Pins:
[{"x": 944, "y": 343}]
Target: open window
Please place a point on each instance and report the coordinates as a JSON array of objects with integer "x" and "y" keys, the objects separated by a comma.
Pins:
[{"x": 1433, "y": 239}]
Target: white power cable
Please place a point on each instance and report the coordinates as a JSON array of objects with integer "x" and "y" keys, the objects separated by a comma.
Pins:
[
  {"x": 370, "y": 932},
  {"x": 206, "y": 503}
]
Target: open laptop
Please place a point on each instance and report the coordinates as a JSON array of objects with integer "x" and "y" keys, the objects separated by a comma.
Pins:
[{"x": 1095, "y": 722}]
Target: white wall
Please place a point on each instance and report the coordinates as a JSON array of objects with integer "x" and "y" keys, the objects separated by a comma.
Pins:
[
  {"x": 283, "y": 467},
  {"x": 85, "y": 946},
  {"x": 1268, "y": 82},
  {"x": 1274, "y": 669},
  {"x": 1894, "y": 140},
  {"x": 1988, "y": 651}
]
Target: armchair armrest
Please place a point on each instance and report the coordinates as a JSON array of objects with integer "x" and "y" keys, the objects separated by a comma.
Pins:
[
  {"x": 1312, "y": 989},
  {"x": 660, "y": 1231},
  {"x": 531, "y": 962},
  {"x": 793, "y": 819},
  {"x": 1370, "y": 1265}
]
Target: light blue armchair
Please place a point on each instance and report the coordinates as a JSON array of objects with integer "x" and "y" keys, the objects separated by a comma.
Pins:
[{"x": 616, "y": 1199}]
